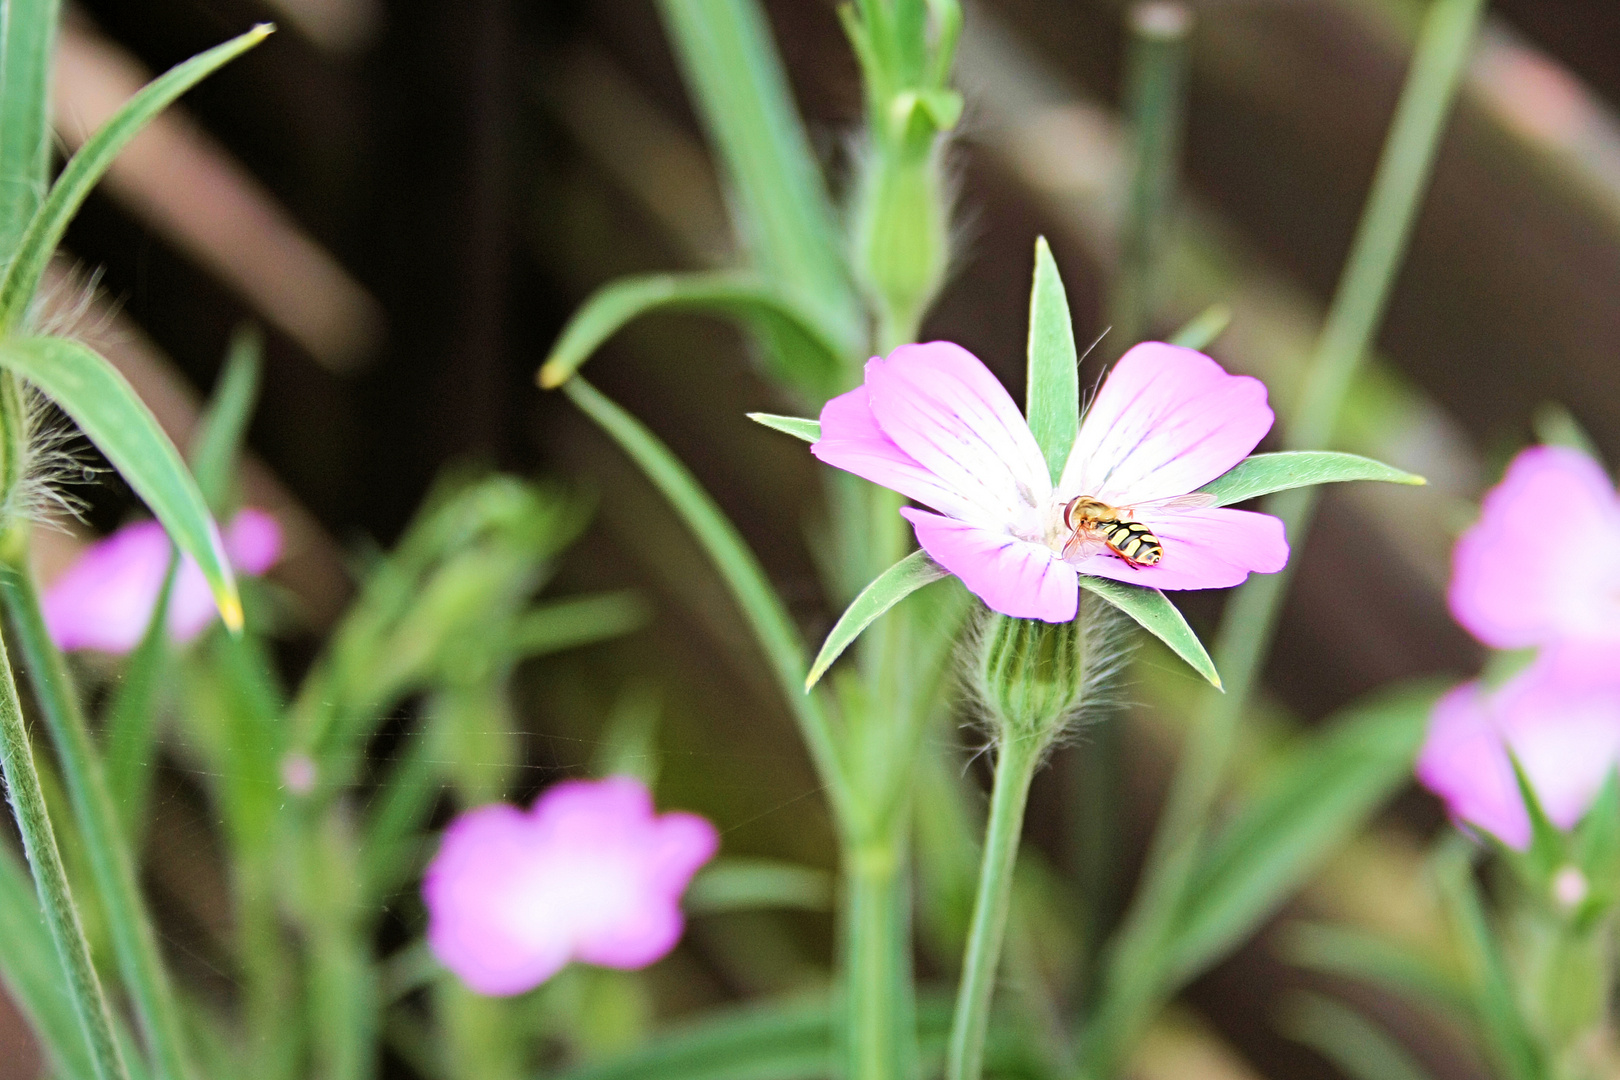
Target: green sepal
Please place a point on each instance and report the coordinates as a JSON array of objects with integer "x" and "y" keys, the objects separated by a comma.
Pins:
[
  {"x": 798, "y": 427},
  {"x": 1159, "y": 617},
  {"x": 886, "y": 590},
  {"x": 1262, "y": 474},
  {"x": 1052, "y": 391}
]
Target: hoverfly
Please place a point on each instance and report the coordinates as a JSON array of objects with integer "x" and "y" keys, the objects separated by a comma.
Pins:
[{"x": 1090, "y": 520}]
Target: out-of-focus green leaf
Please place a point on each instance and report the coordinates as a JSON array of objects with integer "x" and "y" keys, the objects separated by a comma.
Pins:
[
  {"x": 1361, "y": 1049},
  {"x": 629, "y": 740},
  {"x": 779, "y": 200},
  {"x": 1159, "y": 617},
  {"x": 1264, "y": 473},
  {"x": 1499, "y": 1022},
  {"x": 32, "y": 972},
  {"x": 736, "y": 295},
  {"x": 219, "y": 437},
  {"x": 579, "y": 620},
  {"x": 768, "y": 619},
  {"x": 27, "y": 38},
  {"x": 86, "y": 168},
  {"x": 1315, "y": 800},
  {"x": 888, "y": 589},
  {"x": 131, "y": 718},
  {"x": 778, "y": 1041},
  {"x": 1052, "y": 388},
  {"x": 799, "y": 428},
  {"x": 749, "y": 884},
  {"x": 1200, "y": 333},
  {"x": 106, "y": 408},
  {"x": 1555, "y": 425},
  {"x": 1391, "y": 966}
]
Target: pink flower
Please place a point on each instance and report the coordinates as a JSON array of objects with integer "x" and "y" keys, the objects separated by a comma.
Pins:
[
  {"x": 1542, "y": 564},
  {"x": 1561, "y": 719},
  {"x": 934, "y": 424},
  {"x": 588, "y": 873},
  {"x": 105, "y": 599}
]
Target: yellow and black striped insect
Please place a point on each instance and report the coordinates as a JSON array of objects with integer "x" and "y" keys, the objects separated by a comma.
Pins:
[{"x": 1092, "y": 519}]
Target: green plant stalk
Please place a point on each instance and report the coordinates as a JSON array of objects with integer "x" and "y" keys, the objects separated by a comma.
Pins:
[
  {"x": 1155, "y": 101},
  {"x": 50, "y": 879},
  {"x": 1134, "y": 981},
  {"x": 1015, "y": 769},
  {"x": 106, "y": 847},
  {"x": 879, "y": 997}
]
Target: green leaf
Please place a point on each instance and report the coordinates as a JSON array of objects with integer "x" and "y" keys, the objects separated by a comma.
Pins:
[
  {"x": 1262, "y": 474},
  {"x": 779, "y": 200},
  {"x": 1357, "y": 954},
  {"x": 106, "y": 408},
  {"x": 886, "y": 590},
  {"x": 750, "y": 884},
  {"x": 776, "y": 1041},
  {"x": 1320, "y": 796},
  {"x": 131, "y": 719},
  {"x": 1159, "y": 617},
  {"x": 772, "y": 627},
  {"x": 808, "y": 430},
  {"x": 27, "y": 40},
  {"x": 219, "y": 437},
  {"x": 1204, "y": 328},
  {"x": 1052, "y": 390},
  {"x": 1496, "y": 1012},
  {"x": 577, "y": 621},
  {"x": 1361, "y": 1049},
  {"x": 87, "y": 167},
  {"x": 741, "y": 296}
]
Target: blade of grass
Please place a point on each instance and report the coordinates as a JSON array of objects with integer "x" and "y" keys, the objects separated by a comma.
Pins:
[
  {"x": 784, "y": 216},
  {"x": 111, "y": 864},
  {"x": 27, "y": 41},
  {"x": 131, "y": 719},
  {"x": 746, "y": 579},
  {"x": 106, "y": 408},
  {"x": 86, "y": 168},
  {"x": 1361, "y": 1049},
  {"x": 219, "y": 436}
]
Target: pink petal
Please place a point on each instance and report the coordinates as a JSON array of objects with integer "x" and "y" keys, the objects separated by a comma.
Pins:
[
  {"x": 589, "y": 873},
  {"x": 851, "y": 440},
  {"x": 1543, "y": 561},
  {"x": 1166, "y": 422},
  {"x": 1560, "y": 716},
  {"x": 1465, "y": 763},
  {"x": 953, "y": 417},
  {"x": 1012, "y": 576},
  {"x": 253, "y": 541},
  {"x": 1209, "y": 548},
  {"x": 105, "y": 599}
]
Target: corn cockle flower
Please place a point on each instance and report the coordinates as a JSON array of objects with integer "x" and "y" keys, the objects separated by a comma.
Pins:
[
  {"x": 1542, "y": 564},
  {"x": 588, "y": 873},
  {"x": 105, "y": 600},
  {"x": 932, "y": 422},
  {"x": 1560, "y": 718}
]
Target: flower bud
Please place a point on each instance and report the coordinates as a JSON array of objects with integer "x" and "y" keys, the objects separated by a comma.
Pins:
[
  {"x": 1031, "y": 674},
  {"x": 902, "y": 232}
]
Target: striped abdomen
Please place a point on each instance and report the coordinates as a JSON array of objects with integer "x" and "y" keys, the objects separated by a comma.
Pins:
[{"x": 1130, "y": 540}]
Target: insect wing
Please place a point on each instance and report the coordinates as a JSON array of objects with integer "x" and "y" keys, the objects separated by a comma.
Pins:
[{"x": 1197, "y": 500}]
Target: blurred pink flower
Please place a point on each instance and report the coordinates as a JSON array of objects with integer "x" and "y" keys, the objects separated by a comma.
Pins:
[
  {"x": 934, "y": 424},
  {"x": 105, "y": 599},
  {"x": 588, "y": 873},
  {"x": 1542, "y": 564},
  {"x": 1561, "y": 719}
]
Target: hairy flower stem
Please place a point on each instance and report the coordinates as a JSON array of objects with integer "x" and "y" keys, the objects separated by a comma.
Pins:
[
  {"x": 1015, "y": 768},
  {"x": 106, "y": 847},
  {"x": 61, "y": 915}
]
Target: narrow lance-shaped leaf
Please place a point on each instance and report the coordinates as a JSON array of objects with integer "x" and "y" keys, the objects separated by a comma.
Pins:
[
  {"x": 1052, "y": 390},
  {"x": 1262, "y": 474},
  {"x": 219, "y": 437},
  {"x": 27, "y": 37},
  {"x": 742, "y": 296},
  {"x": 1202, "y": 330},
  {"x": 106, "y": 408},
  {"x": 1159, "y": 617},
  {"x": 87, "y": 167},
  {"x": 886, "y": 590},
  {"x": 798, "y": 427},
  {"x": 1360, "y": 1048}
]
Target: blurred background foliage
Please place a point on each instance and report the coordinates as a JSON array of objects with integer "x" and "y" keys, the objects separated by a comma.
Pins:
[{"x": 410, "y": 197}]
